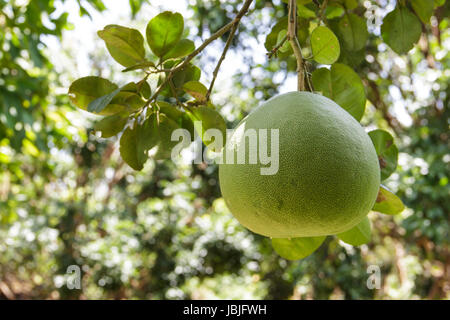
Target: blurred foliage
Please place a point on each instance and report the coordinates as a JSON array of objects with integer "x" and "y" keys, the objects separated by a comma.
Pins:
[{"x": 67, "y": 198}]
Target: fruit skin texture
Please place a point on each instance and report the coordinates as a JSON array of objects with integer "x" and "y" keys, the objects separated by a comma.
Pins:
[{"x": 328, "y": 177}]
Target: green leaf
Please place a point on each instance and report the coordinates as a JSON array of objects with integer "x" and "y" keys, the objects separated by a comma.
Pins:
[
  {"x": 85, "y": 90},
  {"x": 141, "y": 65},
  {"x": 332, "y": 12},
  {"x": 423, "y": 9},
  {"x": 349, "y": 57},
  {"x": 169, "y": 110},
  {"x": 125, "y": 45},
  {"x": 97, "y": 105},
  {"x": 210, "y": 119},
  {"x": 358, "y": 235},
  {"x": 387, "y": 202},
  {"x": 299, "y": 2},
  {"x": 196, "y": 89},
  {"x": 189, "y": 73},
  {"x": 129, "y": 87},
  {"x": 181, "y": 118},
  {"x": 342, "y": 85},
  {"x": 353, "y": 31},
  {"x": 135, "y": 6},
  {"x": 438, "y": 3},
  {"x": 154, "y": 132},
  {"x": 137, "y": 141},
  {"x": 164, "y": 31},
  {"x": 131, "y": 94},
  {"x": 141, "y": 88},
  {"x": 165, "y": 143},
  {"x": 181, "y": 49},
  {"x": 350, "y": 4},
  {"x": 386, "y": 150},
  {"x": 274, "y": 37},
  {"x": 352, "y": 58},
  {"x": 305, "y": 12},
  {"x": 129, "y": 151},
  {"x": 144, "y": 89},
  {"x": 282, "y": 37},
  {"x": 28, "y": 147},
  {"x": 130, "y": 101},
  {"x": 111, "y": 125},
  {"x": 324, "y": 45},
  {"x": 401, "y": 29},
  {"x": 296, "y": 248}
]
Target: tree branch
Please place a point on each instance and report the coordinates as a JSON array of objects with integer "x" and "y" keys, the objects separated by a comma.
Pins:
[
  {"x": 277, "y": 47},
  {"x": 322, "y": 11},
  {"x": 213, "y": 37},
  {"x": 292, "y": 37},
  {"x": 309, "y": 85},
  {"x": 222, "y": 57}
]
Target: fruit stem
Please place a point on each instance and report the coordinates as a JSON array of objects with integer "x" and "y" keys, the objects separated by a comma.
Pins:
[{"x": 292, "y": 36}]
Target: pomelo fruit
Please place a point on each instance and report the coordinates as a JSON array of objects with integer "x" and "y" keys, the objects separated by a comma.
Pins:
[{"x": 328, "y": 176}]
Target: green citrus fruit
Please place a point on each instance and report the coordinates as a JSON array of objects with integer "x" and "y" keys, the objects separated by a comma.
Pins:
[{"x": 328, "y": 175}]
